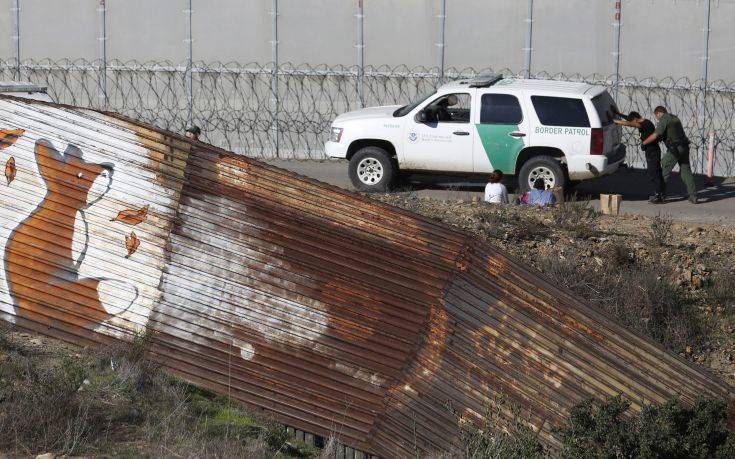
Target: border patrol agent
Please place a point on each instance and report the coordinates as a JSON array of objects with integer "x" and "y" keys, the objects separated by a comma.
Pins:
[
  {"x": 652, "y": 151},
  {"x": 669, "y": 128}
]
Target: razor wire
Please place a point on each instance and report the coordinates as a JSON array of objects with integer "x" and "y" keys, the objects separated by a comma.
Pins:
[{"x": 232, "y": 103}]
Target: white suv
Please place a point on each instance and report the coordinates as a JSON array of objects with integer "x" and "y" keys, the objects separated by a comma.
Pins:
[{"x": 558, "y": 131}]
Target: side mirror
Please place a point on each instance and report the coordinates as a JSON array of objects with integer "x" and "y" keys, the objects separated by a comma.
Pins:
[{"x": 422, "y": 117}]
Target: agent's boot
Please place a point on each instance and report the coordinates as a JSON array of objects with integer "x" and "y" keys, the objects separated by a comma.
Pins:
[{"x": 657, "y": 198}]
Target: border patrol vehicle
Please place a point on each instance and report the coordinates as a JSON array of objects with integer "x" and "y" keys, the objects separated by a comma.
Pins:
[{"x": 558, "y": 131}]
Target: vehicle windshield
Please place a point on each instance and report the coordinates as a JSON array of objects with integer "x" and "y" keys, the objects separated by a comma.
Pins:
[
  {"x": 406, "y": 109},
  {"x": 606, "y": 108}
]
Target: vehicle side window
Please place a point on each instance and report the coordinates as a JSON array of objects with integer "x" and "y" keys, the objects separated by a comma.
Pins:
[
  {"x": 450, "y": 108},
  {"x": 560, "y": 111},
  {"x": 500, "y": 109}
]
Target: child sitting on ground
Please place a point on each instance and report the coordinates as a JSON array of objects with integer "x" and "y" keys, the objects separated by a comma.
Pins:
[
  {"x": 495, "y": 192},
  {"x": 539, "y": 195}
]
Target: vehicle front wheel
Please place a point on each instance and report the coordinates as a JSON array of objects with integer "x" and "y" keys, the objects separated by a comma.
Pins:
[
  {"x": 372, "y": 169},
  {"x": 541, "y": 167}
]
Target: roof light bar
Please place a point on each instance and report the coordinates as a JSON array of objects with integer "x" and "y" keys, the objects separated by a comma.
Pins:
[{"x": 485, "y": 81}]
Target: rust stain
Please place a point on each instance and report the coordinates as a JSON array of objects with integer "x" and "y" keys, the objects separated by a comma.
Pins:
[
  {"x": 579, "y": 326},
  {"x": 132, "y": 216},
  {"x": 10, "y": 170},
  {"x": 497, "y": 264}
]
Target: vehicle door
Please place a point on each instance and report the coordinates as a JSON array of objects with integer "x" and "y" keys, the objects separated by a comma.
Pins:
[
  {"x": 439, "y": 135},
  {"x": 606, "y": 110},
  {"x": 501, "y": 131}
]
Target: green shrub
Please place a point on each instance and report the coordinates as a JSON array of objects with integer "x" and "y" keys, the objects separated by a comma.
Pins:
[{"x": 671, "y": 430}]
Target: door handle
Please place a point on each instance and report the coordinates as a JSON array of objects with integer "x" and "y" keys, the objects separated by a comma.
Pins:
[
  {"x": 517, "y": 134},
  {"x": 461, "y": 133}
]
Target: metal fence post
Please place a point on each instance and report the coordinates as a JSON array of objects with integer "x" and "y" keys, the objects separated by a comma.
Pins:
[
  {"x": 189, "y": 64},
  {"x": 15, "y": 10},
  {"x": 616, "y": 47},
  {"x": 704, "y": 80},
  {"x": 360, "y": 54},
  {"x": 441, "y": 45},
  {"x": 103, "y": 53},
  {"x": 274, "y": 77},
  {"x": 528, "y": 50}
]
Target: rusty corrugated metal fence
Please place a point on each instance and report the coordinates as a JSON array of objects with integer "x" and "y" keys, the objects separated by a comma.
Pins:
[{"x": 334, "y": 313}]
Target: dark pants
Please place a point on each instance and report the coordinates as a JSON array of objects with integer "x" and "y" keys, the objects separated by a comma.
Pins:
[{"x": 653, "y": 166}]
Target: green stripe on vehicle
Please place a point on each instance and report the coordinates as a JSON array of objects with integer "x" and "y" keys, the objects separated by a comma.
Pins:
[{"x": 501, "y": 149}]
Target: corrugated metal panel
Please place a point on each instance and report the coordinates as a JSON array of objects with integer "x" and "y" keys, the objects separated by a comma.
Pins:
[{"x": 334, "y": 313}]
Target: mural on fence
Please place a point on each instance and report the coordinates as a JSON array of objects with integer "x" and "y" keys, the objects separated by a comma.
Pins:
[
  {"x": 61, "y": 258},
  {"x": 43, "y": 278}
]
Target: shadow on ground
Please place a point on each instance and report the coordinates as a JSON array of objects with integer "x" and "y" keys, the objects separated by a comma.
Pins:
[{"x": 632, "y": 184}]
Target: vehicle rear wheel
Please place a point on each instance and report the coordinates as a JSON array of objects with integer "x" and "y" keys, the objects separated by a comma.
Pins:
[
  {"x": 541, "y": 167},
  {"x": 372, "y": 169}
]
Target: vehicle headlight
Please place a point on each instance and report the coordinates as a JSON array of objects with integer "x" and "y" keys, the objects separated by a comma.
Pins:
[{"x": 336, "y": 134}]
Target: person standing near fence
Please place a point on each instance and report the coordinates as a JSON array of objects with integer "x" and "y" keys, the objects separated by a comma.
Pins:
[
  {"x": 193, "y": 132},
  {"x": 652, "y": 151},
  {"x": 670, "y": 129}
]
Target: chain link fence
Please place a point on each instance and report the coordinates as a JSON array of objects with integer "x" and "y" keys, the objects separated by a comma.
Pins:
[{"x": 238, "y": 109}]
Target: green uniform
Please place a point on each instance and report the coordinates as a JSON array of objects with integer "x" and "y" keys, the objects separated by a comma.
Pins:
[{"x": 669, "y": 127}]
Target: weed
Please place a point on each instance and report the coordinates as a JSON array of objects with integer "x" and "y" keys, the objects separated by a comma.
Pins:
[
  {"x": 298, "y": 448},
  {"x": 502, "y": 222},
  {"x": 42, "y": 409},
  {"x": 329, "y": 451},
  {"x": 660, "y": 231},
  {"x": 618, "y": 255},
  {"x": 721, "y": 290},
  {"x": 578, "y": 218},
  {"x": 495, "y": 436}
]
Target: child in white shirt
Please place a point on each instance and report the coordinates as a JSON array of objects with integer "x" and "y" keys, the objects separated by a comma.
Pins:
[{"x": 495, "y": 192}]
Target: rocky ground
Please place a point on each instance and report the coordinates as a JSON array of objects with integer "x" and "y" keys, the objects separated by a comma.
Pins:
[{"x": 684, "y": 273}]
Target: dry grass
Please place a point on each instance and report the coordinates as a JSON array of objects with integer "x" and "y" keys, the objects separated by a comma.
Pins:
[
  {"x": 660, "y": 230},
  {"x": 721, "y": 290},
  {"x": 330, "y": 449},
  {"x": 642, "y": 297},
  {"x": 494, "y": 437},
  {"x": 117, "y": 403},
  {"x": 577, "y": 218}
]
